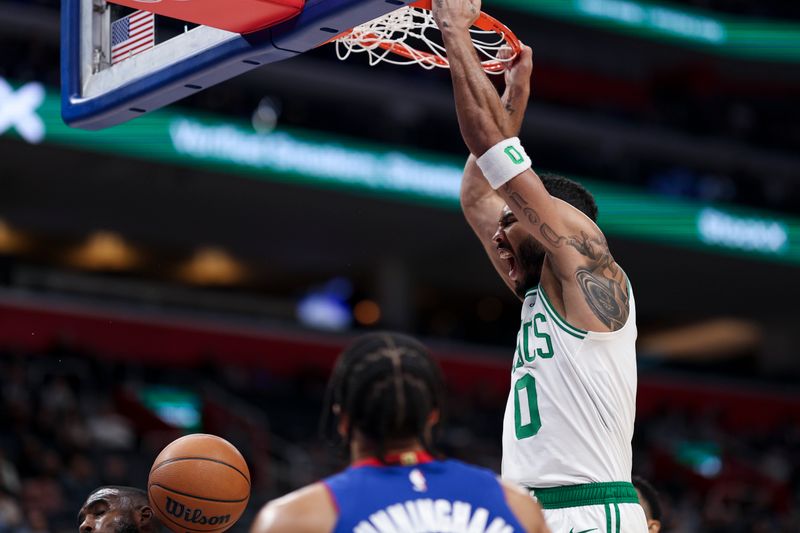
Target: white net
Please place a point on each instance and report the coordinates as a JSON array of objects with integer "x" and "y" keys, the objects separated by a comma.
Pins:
[{"x": 406, "y": 36}]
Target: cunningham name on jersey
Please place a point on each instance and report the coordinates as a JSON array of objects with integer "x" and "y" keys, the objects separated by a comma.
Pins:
[{"x": 432, "y": 516}]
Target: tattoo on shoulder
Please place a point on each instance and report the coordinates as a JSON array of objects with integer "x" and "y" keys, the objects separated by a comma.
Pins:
[
  {"x": 602, "y": 282},
  {"x": 604, "y": 285}
]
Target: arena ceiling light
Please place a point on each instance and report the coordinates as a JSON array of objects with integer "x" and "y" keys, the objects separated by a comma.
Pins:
[
  {"x": 105, "y": 250},
  {"x": 211, "y": 265},
  {"x": 713, "y": 339},
  {"x": 12, "y": 241}
]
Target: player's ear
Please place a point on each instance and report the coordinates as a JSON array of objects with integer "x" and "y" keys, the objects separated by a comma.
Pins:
[
  {"x": 653, "y": 526},
  {"x": 343, "y": 426},
  {"x": 146, "y": 518}
]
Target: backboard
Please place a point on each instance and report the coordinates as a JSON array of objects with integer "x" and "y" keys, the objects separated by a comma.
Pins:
[{"x": 112, "y": 73}]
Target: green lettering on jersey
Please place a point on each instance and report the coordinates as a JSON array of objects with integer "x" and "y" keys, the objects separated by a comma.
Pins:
[
  {"x": 518, "y": 362},
  {"x": 543, "y": 350},
  {"x": 548, "y": 352},
  {"x": 526, "y": 328}
]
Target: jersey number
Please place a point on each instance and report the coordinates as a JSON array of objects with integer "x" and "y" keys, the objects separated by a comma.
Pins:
[{"x": 526, "y": 408}]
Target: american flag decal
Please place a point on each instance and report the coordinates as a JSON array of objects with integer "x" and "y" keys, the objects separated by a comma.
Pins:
[{"x": 132, "y": 35}]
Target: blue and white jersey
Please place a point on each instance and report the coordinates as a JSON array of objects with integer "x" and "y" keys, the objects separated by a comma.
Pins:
[{"x": 426, "y": 497}]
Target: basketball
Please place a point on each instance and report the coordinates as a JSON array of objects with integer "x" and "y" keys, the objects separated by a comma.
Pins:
[{"x": 199, "y": 483}]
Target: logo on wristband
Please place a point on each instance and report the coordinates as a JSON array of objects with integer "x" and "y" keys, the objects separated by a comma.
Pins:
[{"x": 514, "y": 155}]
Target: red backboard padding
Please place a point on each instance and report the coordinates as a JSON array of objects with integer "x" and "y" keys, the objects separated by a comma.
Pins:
[{"x": 240, "y": 16}]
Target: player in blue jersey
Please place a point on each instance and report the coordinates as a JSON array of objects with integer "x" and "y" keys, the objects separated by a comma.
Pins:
[{"x": 384, "y": 398}]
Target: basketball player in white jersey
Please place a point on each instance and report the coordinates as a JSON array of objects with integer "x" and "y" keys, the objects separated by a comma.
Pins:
[{"x": 569, "y": 418}]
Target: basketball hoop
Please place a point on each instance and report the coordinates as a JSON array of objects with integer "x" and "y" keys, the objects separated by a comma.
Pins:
[{"x": 398, "y": 38}]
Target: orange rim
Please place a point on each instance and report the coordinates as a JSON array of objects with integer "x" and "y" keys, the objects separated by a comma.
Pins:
[{"x": 484, "y": 22}]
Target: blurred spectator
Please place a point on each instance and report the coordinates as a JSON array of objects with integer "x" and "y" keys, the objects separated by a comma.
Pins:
[
  {"x": 79, "y": 479},
  {"x": 57, "y": 396},
  {"x": 37, "y": 522},
  {"x": 109, "y": 429},
  {"x": 9, "y": 477},
  {"x": 49, "y": 462},
  {"x": 114, "y": 471},
  {"x": 11, "y": 519}
]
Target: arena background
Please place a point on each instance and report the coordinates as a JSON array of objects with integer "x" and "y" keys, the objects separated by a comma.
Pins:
[{"x": 199, "y": 268}]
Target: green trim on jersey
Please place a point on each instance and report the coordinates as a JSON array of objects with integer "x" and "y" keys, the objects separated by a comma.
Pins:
[
  {"x": 583, "y": 495},
  {"x": 560, "y": 322},
  {"x": 531, "y": 292},
  {"x": 608, "y": 519},
  {"x": 616, "y": 513}
]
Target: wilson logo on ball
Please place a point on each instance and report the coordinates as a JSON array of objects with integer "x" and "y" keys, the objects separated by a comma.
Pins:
[{"x": 194, "y": 516}]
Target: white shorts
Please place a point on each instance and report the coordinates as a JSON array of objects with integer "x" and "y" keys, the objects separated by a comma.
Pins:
[
  {"x": 593, "y": 508},
  {"x": 607, "y": 518}
]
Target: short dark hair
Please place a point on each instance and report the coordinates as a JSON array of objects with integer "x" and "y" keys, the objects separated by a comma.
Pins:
[
  {"x": 650, "y": 495},
  {"x": 387, "y": 384},
  {"x": 571, "y": 192},
  {"x": 137, "y": 497}
]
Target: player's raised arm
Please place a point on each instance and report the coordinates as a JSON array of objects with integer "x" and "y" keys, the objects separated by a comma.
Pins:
[
  {"x": 594, "y": 289},
  {"x": 481, "y": 204}
]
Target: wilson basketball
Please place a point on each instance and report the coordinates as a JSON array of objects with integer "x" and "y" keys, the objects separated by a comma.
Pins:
[{"x": 199, "y": 483}]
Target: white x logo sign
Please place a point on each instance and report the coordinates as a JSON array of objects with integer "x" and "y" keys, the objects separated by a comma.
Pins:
[{"x": 18, "y": 110}]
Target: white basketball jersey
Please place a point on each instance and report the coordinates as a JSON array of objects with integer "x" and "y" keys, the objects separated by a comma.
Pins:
[{"x": 570, "y": 411}]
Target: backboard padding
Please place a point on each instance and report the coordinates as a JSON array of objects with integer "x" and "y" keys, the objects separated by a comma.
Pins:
[
  {"x": 96, "y": 98},
  {"x": 238, "y": 16}
]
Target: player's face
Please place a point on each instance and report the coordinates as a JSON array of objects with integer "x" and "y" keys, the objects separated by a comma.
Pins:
[
  {"x": 523, "y": 255},
  {"x": 103, "y": 513}
]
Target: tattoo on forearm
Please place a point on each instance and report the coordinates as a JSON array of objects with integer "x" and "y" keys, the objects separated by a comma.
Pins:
[
  {"x": 602, "y": 282},
  {"x": 533, "y": 216},
  {"x": 519, "y": 200},
  {"x": 550, "y": 235},
  {"x": 516, "y": 197}
]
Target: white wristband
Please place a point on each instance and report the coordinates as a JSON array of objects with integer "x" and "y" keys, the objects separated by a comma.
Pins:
[{"x": 504, "y": 161}]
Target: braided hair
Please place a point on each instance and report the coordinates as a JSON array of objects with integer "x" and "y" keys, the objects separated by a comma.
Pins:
[{"x": 387, "y": 384}]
